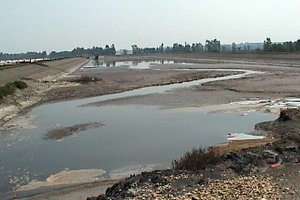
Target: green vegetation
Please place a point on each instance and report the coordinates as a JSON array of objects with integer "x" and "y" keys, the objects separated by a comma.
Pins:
[
  {"x": 7, "y": 89},
  {"x": 197, "y": 159},
  {"x": 20, "y": 84},
  {"x": 11, "y": 87}
]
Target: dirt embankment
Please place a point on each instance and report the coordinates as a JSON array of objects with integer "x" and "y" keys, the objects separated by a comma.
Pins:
[
  {"x": 41, "y": 71},
  {"x": 286, "y": 127},
  {"x": 40, "y": 78}
]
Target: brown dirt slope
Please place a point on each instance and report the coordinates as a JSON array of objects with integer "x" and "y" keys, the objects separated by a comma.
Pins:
[{"x": 38, "y": 70}]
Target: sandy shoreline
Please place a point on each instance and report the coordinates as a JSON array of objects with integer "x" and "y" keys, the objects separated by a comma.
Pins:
[{"x": 276, "y": 83}]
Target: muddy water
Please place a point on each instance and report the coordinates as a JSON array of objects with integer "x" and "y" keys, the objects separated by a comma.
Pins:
[{"x": 133, "y": 138}]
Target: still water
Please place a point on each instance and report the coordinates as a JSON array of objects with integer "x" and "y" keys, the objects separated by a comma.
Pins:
[{"x": 133, "y": 136}]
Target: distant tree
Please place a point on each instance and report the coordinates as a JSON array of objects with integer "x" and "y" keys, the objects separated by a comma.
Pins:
[
  {"x": 124, "y": 52},
  {"x": 150, "y": 50},
  {"x": 178, "y": 48},
  {"x": 199, "y": 47},
  {"x": 112, "y": 50},
  {"x": 187, "y": 48},
  {"x": 213, "y": 45},
  {"x": 161, "y": 48},
  {"x": 297, "y": 45},
  {"x": 233, "y": 47},
  {"x": 44, "y": 54},
  {"x": 268, "y": 45},
  {"x": 168, "y": 49},
  {"x": 135, "y": 49},
  {"x": 289, "y": 46},
  {"x": 106, "y": 50}
]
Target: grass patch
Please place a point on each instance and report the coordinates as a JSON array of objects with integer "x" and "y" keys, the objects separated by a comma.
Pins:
[
  {"x": 7, "y": 89},
  {"x": 20, "y": 84},
  {"x": 11, "y": 87},
  {"x": 197, "y": 159},
  {"x": 87, "y": 79}
]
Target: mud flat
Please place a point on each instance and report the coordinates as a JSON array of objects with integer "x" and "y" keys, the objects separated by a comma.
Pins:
[
  {"x": 62, "y": 132},
  {"x": 279, "y": 81}
]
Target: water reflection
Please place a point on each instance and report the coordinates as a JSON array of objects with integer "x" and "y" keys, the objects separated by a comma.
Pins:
[{"x": 137, "y": 64}]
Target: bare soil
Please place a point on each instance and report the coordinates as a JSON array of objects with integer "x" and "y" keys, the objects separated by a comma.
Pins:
[{"x": 39, "y": 71}]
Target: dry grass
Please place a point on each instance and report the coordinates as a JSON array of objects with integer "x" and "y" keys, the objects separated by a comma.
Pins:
[
  {"x": 10, "y": 88},
  {"x": 197, "y": 159}
]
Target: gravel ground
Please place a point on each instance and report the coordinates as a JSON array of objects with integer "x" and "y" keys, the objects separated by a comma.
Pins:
[{"x": 247, "y": 187}]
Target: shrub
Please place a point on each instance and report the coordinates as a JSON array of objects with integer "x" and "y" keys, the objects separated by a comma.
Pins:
[
  {"x": 20, "y": 84},
  {"x": 278, "y": 148},
  {"x": 10, "y": 88},
  {"x": 87, "y": 79},
  {"x": 197, "y": 159},
  {"x": 7, "y": 89}
]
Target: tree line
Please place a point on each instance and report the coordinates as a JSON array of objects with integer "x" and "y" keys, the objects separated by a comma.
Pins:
[
  {"x": 19, "y": 56},
  {"x": 281, "y": 47},
  {"x": 79, "y": 51},
  {"x": 209, "y": 46},
  {"x": 99, "y": 51}
]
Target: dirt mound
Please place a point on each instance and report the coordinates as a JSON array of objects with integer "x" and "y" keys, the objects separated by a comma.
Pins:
[
  {"x": 286, "y": 127},
  {"x": 289, "y": 115}
]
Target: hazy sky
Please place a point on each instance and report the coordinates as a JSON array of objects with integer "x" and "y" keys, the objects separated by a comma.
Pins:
[{"x": 36, "y": 25}]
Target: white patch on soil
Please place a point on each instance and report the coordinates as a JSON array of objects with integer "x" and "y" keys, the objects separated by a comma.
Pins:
[
  {"x": 243, "y": 136},
  {"x": 67, "y": 177}
]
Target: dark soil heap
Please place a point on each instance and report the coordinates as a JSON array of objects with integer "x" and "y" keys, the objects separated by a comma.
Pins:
[{"x": 286, "y": 127}]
